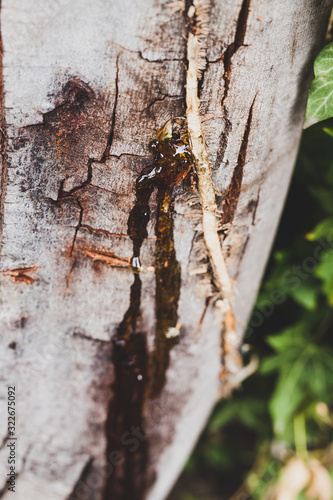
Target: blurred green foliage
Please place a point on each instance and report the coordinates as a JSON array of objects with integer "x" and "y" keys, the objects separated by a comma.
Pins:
[{"x": 286, "y": 408}]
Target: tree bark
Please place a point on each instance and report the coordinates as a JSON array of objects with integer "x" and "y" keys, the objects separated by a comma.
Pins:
[{"x": 108, "y": 406}]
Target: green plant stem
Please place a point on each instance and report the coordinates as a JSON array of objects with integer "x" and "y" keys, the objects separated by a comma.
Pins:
[{"x": 300, "y": 436}]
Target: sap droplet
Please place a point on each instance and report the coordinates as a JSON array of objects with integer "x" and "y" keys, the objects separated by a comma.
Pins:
[{"x": 136, "y": 265}]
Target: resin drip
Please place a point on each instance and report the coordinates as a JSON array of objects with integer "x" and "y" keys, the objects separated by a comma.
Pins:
[
  {"x": 172, "y": 162},
  {"x": 167, "y": 273}
]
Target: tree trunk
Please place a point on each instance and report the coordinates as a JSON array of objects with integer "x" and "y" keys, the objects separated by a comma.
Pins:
[{"x": 110, "y": 399}]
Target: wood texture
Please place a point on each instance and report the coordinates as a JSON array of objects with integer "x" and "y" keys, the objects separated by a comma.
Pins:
[{"x": 85, "y": 87}]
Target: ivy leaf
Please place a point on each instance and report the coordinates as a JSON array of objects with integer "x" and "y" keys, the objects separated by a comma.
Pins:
[{"x": 320, "y": 101}]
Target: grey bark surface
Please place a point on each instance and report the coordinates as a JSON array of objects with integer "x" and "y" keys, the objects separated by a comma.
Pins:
[{"x": 85, "y": 87}]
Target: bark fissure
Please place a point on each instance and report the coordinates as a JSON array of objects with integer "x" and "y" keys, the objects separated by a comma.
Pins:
[
  {"x": 254, "y": 213},
  {"x": 113, "y": 117},
  {"x": 230, "y": 51},
  {"x": 76, "y": 493},
  {"x": 161, "y": 99},
  {"x": 77, "y": 227},
  {"x": 235, "y": 45},
  {"x": 231, "y": 199},
  {"x": 103, "y": 231}
]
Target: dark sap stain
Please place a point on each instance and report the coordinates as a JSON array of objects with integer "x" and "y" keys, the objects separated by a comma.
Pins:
[
  {"x": 168, "y": 280},
  {"x": 12, "y": 345},
  {"x": 130, "y": 360},
  {"x": 231, "y": 199},
  {"x": 172, "y": 162}
]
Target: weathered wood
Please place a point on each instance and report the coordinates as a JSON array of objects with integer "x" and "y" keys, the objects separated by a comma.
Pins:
[{"x": 86, "y": 85}]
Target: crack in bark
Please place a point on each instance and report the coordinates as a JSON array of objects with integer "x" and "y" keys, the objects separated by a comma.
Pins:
[
  {"x": 106, "y": 154},
  {"x": 83, "y": 336},
  {"x": 3, "y": 142},
  {"x": 201, "y": 80},
  {"x": 227, "y": 60},
  {"x": 231, "y": 199},
  {"x": 103, "y": 231},
  {"x": 140, "y": 54},
  {"x": 255, "y": 207},
  {"x": 64, "y": 194},
  {"x": 161, "y": 99},
  {"x": 76, "y": 493},
  {"x": 113, "y": 118},
  {"x": 77, "y": 227},
  {"x": 123, "y": 154},
  {"x": 254, "y": 213},
  {"x": 235, "y": 45},
  {"x": 207, "y": 303}
]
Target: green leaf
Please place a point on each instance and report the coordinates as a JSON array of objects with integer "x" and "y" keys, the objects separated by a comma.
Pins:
[
  {"x": 320, "y": 101},
  {"x": 245, "y": 410},
  {"x": 323, "y": 230},
  {"x": 287, "y": 396},
  {"x": 328, "y": 131},
  {"x": 325, "y": 272},
  {"x": 306, "y": 296},
  {"x": 294, "y": 336}
]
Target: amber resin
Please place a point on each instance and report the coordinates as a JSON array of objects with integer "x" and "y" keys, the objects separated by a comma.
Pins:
[{"x": 135, "y": 376}]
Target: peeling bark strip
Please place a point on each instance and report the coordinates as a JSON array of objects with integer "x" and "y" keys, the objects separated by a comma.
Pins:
[
  {"x": 195, "y": 55},
  {"x": 231, "y": 199},
  {"x": 107, "y": 257},
  {"x": 3, "y": 141},
  {"x": 172, "y": 162},
  {"x": 18, "y": 275}
]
